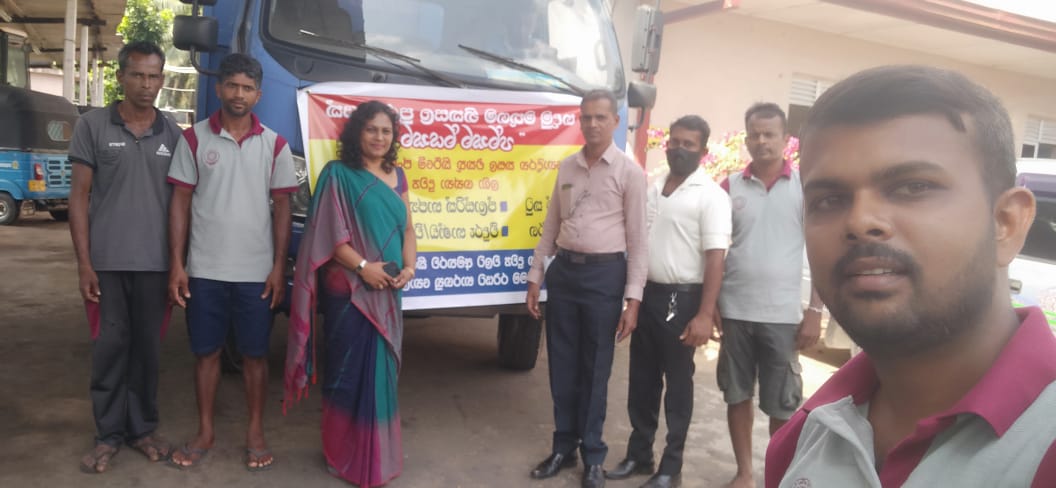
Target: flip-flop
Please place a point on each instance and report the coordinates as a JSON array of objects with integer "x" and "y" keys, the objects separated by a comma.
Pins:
[
  {"x": 259, "y": 454},
  {"x": 100, "y": 453},
  {"x": 145, "y": 444},
  {"x": 189, "y": 454}
]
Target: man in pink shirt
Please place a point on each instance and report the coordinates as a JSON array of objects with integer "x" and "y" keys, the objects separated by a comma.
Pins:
[
  {"x": 595, "y": 227},
  {"x": 912, "y": 218}
]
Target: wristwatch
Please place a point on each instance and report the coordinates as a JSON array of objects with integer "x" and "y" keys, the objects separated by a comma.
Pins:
[{"x": 362, "y": 264}]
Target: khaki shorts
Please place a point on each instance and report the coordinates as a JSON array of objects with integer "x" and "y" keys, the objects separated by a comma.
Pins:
[{"x": 769, "y": 351}]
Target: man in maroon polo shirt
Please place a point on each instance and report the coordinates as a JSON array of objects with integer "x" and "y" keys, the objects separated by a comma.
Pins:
[{"x": 911, "y": 220}]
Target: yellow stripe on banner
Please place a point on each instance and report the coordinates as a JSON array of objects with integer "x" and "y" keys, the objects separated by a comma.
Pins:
[
  {"x": 320, "y": 152},
  {"x": 470, "y": 200}
]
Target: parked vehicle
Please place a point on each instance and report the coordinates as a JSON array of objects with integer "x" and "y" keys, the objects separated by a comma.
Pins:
[
  {"x": 1032, "y": 274},
  {"x": 35, "y": 130},
  {"x": 468, "y": 77}
]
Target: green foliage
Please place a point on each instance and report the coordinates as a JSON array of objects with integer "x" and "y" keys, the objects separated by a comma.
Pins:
[
  {"x": 144, "y": 20},
  {"x": 111, "y": 89}
]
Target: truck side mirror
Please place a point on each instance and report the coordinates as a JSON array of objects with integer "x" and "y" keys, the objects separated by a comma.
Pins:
[
  {"x": 641, "y": 95},
  {"x": 648, "y": 32},
  {"x": 196, "y": 33}
]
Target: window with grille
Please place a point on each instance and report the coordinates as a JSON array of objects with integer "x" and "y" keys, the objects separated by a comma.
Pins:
[
  {"x": 1039, "y": 138},
  {"x": 805, "y": 91}
]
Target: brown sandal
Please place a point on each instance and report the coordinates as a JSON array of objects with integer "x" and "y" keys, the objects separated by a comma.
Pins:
[
  {"x": 153, "y": 447},
  {"x": 194, "y": 456},
  {"x": 98, "y": 460}
]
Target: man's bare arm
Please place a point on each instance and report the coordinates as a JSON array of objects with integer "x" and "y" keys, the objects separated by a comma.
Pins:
[{"x": 80, "y": 189}]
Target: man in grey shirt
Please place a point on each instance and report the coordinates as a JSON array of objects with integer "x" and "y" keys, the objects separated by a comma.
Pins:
[{"x": 118, "y": 208}]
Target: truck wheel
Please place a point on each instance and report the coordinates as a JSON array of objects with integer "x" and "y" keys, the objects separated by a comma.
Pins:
[
  {"x": 60, "y": 215},
  {"x": 8, "y": 209},
  {"x": 519, "y": 341}
]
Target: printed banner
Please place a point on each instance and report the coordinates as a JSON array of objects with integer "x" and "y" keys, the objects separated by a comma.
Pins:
[{"x": 480, "y": 167}]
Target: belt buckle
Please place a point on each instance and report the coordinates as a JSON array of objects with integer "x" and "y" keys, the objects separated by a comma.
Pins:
[{"x": 577, "y": 258}]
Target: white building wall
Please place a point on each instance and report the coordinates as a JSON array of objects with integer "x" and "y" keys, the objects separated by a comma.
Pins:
[
  {"x": 46, "y": 80},
  {"x": 717, "y": 65}
]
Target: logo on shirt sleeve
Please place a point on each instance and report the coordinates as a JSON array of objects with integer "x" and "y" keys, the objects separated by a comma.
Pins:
[{"x": 163, "y": 151}]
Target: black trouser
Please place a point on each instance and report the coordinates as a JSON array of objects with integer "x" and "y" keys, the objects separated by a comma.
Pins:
[
  {"x": 583, "y": 307},
  {"x": 132, "y": 306},
  {"x": 657, "y": 355}
]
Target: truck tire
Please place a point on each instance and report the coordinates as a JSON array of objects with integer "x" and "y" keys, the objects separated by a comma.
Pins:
[
  {"x": 8, "y": 209},
  {"x": 519, "y": 337},
  {"x": 60, "y": 215}
]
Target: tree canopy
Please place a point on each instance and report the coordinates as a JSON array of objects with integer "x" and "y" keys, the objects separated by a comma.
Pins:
[{"x": 144, "y": 20}]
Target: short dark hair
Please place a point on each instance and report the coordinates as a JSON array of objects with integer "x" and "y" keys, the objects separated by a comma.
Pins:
[
  {"x": 351, "y": 152},
  {"x": 766, "y": 110},
  {"x": 696, "y": 124},
  {"x": 887, "y": 92},
  {"x": 238, "y": 63},
  {"x": 142, "y": 47},
  {"x": 600, "y": 94}
]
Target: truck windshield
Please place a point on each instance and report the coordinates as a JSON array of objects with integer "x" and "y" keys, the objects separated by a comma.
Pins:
[{"x": 572, "y": 39}]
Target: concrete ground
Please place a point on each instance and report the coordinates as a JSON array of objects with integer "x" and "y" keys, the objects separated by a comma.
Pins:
[{"x": 466, "y": 422}]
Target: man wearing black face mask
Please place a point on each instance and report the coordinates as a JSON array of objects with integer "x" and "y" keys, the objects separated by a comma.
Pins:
[{"x": 688, "y": 217}]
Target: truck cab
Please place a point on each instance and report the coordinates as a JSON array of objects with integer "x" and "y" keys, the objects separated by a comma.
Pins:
[{"x": 35, "y": 131}]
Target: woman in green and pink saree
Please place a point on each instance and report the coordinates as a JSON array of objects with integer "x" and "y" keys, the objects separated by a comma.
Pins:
[{"x": 357, "y": 253}]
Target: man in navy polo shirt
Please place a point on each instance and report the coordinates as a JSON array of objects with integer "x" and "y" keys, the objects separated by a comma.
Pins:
[
  {"x": 224, "y": 171},
  {"x": 912, "y": 220}
]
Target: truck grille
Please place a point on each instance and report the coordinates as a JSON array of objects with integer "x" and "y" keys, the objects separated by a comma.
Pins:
[{"x": 59, "y": 173}]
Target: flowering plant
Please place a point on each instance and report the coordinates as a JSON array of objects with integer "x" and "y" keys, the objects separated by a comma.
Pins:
[{"x": 727, "y": 154}]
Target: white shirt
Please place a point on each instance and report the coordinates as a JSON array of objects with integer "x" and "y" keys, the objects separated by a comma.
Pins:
[{"x": 692, "y": 219}]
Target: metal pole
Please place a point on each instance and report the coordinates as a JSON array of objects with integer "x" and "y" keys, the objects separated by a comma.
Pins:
[
  {"x": 82, "y": 98},
  {"x": 68, "y": 47}
]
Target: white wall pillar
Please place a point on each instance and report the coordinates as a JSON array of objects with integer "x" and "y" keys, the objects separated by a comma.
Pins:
[
  {"x": 97, "y": 85},
  {"x": 82, "y": 99},
  {"x": 68, "y": 49}
]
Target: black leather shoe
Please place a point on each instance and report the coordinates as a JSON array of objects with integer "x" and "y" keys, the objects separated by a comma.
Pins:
[
  {"x": 593, "y": 476},
  {"x": 629, "y": 467},
  {"x": 551, "y": 465},
  {"x": 663, "y": 481}
]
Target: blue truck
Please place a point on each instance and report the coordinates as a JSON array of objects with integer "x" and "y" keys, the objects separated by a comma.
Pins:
[
  {"x": 35, "y": 131},
  {"x": 485, "y": 48}
]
